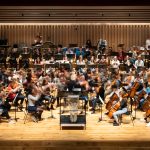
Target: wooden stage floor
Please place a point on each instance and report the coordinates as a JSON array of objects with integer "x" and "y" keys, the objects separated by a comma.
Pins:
[{"x": 46, "y": 134}]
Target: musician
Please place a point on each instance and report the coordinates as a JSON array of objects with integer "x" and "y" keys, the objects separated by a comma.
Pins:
[
  {"x": 88, "y": 43},
  {"x": 102, "y": 60},
  {"x": 121, "y": 55},
  {"x": 3, "y": 105},
  {"x": 80, "y": 52},
  {"x": 115, "y": 63},
  {"x": 69, "y": 51},
  {"x": 33, "y": 96},
  {"x": 98, "y": 96},
  {"x": 45, "y": 89},
  {"x": 128, "y": 63},
  {"x": 139, "y": 63},
  {"x": 38, "y": 39},
  {"x": 80, "y": 61},
  {"x": 14, "y": 90},
  {"x": 122, "y": 109}
]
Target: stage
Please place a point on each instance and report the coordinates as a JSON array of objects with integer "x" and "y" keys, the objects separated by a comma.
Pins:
[{"x": 46, "y": 134}]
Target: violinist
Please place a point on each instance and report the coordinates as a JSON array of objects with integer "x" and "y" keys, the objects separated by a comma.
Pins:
[
  {"x": 121, "y": 110},
  {"x": 3, "y": 107},
  {"x": 33, "y": 96},
  {"x": 45, "y": 89},
  {"x": 14, "y": 88}
]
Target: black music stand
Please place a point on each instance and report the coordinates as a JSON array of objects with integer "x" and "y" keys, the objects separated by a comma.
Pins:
[
  {"x": 129, "y": 54},
  {"x": 25, "y": 56},
  {"x": 120, "y": 45},
  {"x": 114, "y": 54},
  {"x": 100, "y": 56},
  {"x": 15, "y": 107},
  {"x": 70, "y": 56},
  {"x": 101, "y": 104},
  {"x": 79, "y": 66},
  {"x": 65, "y": 65},
  {"x": 92, "y": 66},
  {"x": 58, "y": 57}
]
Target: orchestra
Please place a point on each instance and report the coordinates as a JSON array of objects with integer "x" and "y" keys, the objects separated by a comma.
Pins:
[{"x": 113, "y": 78}]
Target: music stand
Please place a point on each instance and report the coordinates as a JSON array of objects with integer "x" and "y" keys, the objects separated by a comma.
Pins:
[
  {"x": 129, "y": 54},
  {"x": 58, "y": 57},
  {"x": 101, "y": 104},
  {"x": 120, "y": 45},
  {"x": 114, "y": 54},
  {"x": 100, "y": 56},
  {"x": 70, "y": 56},
  {"x": 25, "y": 56},
  {"x": 92, "y": 66},
  {"x": 80, "y": 66},
  {"x": 15, "y": 107},
  {"x": 73, "y": 45},
  {"x": 65, "y": 65}
]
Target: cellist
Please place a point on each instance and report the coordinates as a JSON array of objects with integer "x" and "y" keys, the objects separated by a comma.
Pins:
[{"x": 122, "y": 108}]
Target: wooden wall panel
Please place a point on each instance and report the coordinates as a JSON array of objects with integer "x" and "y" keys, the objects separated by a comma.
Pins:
[{"x": 65, "y": 34}]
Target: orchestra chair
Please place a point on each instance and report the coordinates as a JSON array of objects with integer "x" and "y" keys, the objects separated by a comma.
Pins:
[
  {"x": 128, "y": 113},
  {"x": 28, "y": 114}
]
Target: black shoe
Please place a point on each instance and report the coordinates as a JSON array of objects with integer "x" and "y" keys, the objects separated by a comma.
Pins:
[
  {"x": 91, "y": 109},
  {"x": 93, "y": 112},
  {"x": 115, "y": 124},
  {"x": 106, "y": 113},
  {"x": 48, "y": 108}
]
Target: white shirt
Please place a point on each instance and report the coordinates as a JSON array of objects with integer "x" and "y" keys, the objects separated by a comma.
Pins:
[
  {"x": 139, "y": 63},
  {"x": 32, "y": 99},
  {"x": 147, "y": 44},
  {"x": 115, "y": 63}
]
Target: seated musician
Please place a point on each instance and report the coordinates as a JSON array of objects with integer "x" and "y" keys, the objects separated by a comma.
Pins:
[
  {"x": 91, "y": 61},
  {"x": 80, "y": 61},
  {"x": 139, "y": 63},
  {"x": 121, "y": 110},
  {"x": 128, "y": 63},
  {"x": 69, "y": 51},
  {"x": 3, "y": 105},
  {"x": 80, "y": 52},
  {"x": 115, "y": 63},
  {"x": 33, "y": 97},
  {"x": 102, "y": 60},
  {"x": 15, "y": 90},
  {"x": 45, "y": 89}
]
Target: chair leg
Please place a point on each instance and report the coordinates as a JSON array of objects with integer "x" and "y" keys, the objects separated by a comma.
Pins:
[{"x": 25, "y": 117}]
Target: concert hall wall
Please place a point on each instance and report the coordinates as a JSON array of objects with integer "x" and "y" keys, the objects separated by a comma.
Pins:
[{"x": 64, "y": 34}]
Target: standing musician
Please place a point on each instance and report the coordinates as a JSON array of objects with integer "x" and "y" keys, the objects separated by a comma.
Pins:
[
  {"x": 97, "y": 94},
  {"x": 33, "y": 96}
]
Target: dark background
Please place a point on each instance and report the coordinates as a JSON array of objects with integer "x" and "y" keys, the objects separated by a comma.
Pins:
[{"x": 74, "y": 2}]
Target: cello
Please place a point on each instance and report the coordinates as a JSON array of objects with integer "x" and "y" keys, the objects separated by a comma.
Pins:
[
  {"x": 134, "y": 88},
  {"x": 113, "y": 98},
  {"x": 114, "y": 108}
]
